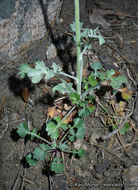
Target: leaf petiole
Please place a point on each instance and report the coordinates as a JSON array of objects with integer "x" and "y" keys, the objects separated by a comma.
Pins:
[
  {"x": 70, "y": 76},
  {"x": 33, "y": 134}
]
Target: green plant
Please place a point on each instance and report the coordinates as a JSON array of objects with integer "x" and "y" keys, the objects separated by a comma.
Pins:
[
  {"x": 83, "y": 97},
  {"x": 76, "y": 131}
]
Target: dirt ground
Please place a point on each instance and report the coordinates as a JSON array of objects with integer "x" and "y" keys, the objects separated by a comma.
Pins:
[{"x": 110, "y": 163}]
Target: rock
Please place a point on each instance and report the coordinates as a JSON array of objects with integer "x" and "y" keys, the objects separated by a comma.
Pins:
[
  {"x": 22, "y": 22},
  {"x": 51, "y": 51},
  {"x": 7, "y": 8}
]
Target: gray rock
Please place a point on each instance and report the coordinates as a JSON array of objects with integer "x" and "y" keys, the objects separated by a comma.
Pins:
[
  {"x": 7, "y": 8},
  {"x": 23, "y": 22},
  {"x": 51, "y": 52}
]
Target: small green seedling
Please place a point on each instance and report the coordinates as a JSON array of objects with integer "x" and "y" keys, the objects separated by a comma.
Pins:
[{"x": 125, "y": 128}]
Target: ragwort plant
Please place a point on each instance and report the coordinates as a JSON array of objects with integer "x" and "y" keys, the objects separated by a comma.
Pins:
[{"x": 82, "y": 97}]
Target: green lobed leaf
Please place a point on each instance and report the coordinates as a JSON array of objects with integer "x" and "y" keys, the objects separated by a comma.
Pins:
[
  {"x": 24, "y": 69},
  {"x": 57, "y": 165},
  {"x": 71, "y": 131},
  {"x": 79, "y": 124},
  {"x": 64, "y": 126},
  {"x": 86, "y": 86},
  {"x": 45, "y": 147},
  {"x": 64, "y": 88},
  {"x": 30, "y": 161},
  {"x": 84, "y": 80},
  {"x": 73, "y": 26},
  {"x": 92, "y": 81},
  {"x": 88, "y": 33},
  {"x": 85, "y": 83},
  {"x": 85, "y": 32},
  {"x": 84, "y": 112},
  {"x": 117, "y": 81},
  {"x": 43, "y": 70},
  {"x": 56, "y": 68},
  {"x": 90, "y": 98},
  {"x": 125, "y": 128},
  {"x": 52, "y": 130},
  {"x": 62, "y": 146},
  {"x": 91, "y": 108},
  {"x": 39, "y": 153},
  {"x": 23, "y": 130},
  {"x": 72, "y": 138},
  {"x": 93, "y": 34},
  {"x": 49, "y": 74},
  {"x": 81, "y": 153},
  {"x": 57, "y": 119},
  {"x": 54, "y": 144},
  {"x": 72, "y": 135},
  {"x": 40, "y": 65},
  {"x": 80, "y": 132},
  {"x": 101, "y": 40},
  {"x": 102, "y": 76},
  {"x": 74, "y": 97},
  {"x": 81, "y": 103},
  {"x": 74, "y": 38},
  {"x": 40, "y": 71},
  {"x": 35, "y": 75},
  {"x": 109, "y": 73},
  {"x": 96, "y": 66}
]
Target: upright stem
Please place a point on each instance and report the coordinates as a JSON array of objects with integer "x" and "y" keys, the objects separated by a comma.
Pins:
[{"x": 79, "y": 59}]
